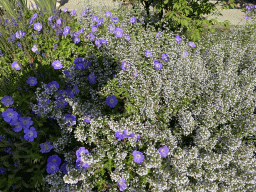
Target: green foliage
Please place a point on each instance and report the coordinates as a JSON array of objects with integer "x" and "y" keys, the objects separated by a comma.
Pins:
[
  {"x": 187, "y": 16},
  {"x": 12, "y": 5},
  {"x": 45, "y": 42},
  {"x": 19, "y": 176},
  {"x": 3, "y": 181},
  {"x": 32, "y": 171},
  {"x": 46, "y": 5},
  {"x": 13, "y": 78}
]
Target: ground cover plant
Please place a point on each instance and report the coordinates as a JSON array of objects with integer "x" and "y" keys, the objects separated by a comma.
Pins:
[{"x": 104, "y": 105}]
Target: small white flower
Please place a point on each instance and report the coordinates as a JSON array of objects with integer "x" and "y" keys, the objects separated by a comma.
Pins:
[{"x": 206, "y": 105}]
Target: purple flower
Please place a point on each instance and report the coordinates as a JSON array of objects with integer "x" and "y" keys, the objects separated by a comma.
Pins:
[
  {"x": 159, "y": 35},
  {"x": 108, "y": 14},
  {"x": 112, "y": 101},
  {"x": 192, "y": 44},
  {"x": 2, "y": 137},
  {"x": 32, "y": 81},
  {"x": 94, "y": 28},
  {"x": 67, "y": 73},
  {"x": 81, "y": 152},
  {"x": 7, "y": 150},
  {"x": 2, "y": 170},
  {"x": 118, "y": 32},
  {"x": 115, "y": 19},
  {"x": 54, "y": 159},
  {"x": 37, "y": 26},
  {"x": 57, "y": 64},
  {"x": 73, "y": 12},
  {"x": 148, "y": 54},
  {"x": 163, "y": 151},
  {"x": 65, "y": 10},
  {"x": 92, "y": 78},
  {"x": 15, "y": 164},
  {"x": 76, "y": 90},
  {"x": 177, "y": 37},
  {"x": 85, "y": 63},
  {"x": 19, "y": 45},
  {"x": 127, "y": 37},
  {"x": 138, "y": 157},
  {"x": 71, "y": 118},
  {"x": 157, "y": 64},
  {"x": 54, "y": 84},
  {"x": 100, "y": 21},
  {"x": 9, "y": 115},
  {"x": 7, "y": 100},
  {"x": 52, "y": 168},
  {"x": 135, "y": 73},
  {"x": 133, "y": 20},
  {"x": 30, "y": 134},
  {"x": 80, "y": 164},
  {"x": 111, "y": 28},
  {"x": 61, "y": 103},
  {"x": 34, "y": 16},
  {"x": 58, "y": 21},
  {"x": 185, "y": 53},
  {"x": 123, "y": 135},
  {"x": 20, "y": 34},
  {"x": 34, "y": 48},
  {"x": 87, "y": 118},
  {"x": 125, "y": 65},
  {"x": 63, "y": 168},
  {"x": 79, "y": 66},
  {"x": 66, "y": 30},
  {"x": 84, "y": 12},
  {"x": 97, "y": 42},
  {"x": 119, "y": 136},
  {"x": 75, "y": 39},
  {"x": 26, "y": 122},
  {"x": 138, "y": 138},
  {"x": 17, "y": 125},
  {"x": 45, "y": 147},
  {"x": 15, "y": 65},
  {"x": 165, "y": 57},
  {"x": 103, "y": 41},
  {"x": 94, "y": 18},
  {"x": 122, "y": 185}
]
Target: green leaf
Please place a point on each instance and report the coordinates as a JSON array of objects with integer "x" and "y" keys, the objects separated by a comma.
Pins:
[
  {"x": 3, "y": 182},
  {"x": 184, "y": 22},
  {"x": 166, "y": 1},
  {"x": 120, "y": 91},
  {"x": 131, "y": 109},
  {"x": 176, "y": 6}
]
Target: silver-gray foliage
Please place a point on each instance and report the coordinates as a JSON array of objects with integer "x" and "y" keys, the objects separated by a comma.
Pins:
[{"x": 220, "y": 88}]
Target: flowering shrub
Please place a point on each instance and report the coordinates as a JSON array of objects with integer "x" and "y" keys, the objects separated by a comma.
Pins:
[{"x": 131, "y": 115}]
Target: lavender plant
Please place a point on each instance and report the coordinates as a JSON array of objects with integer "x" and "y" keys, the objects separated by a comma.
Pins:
[{"x": 132, "y": 110}]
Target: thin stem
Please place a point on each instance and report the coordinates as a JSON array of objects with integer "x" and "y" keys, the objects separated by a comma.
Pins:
[
  {"x": 4, "y": 37},
  {"x": 6, "y": 47}
]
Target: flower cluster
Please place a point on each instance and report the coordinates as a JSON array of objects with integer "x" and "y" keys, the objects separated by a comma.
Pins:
[{"x": 205, "y": 144}]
